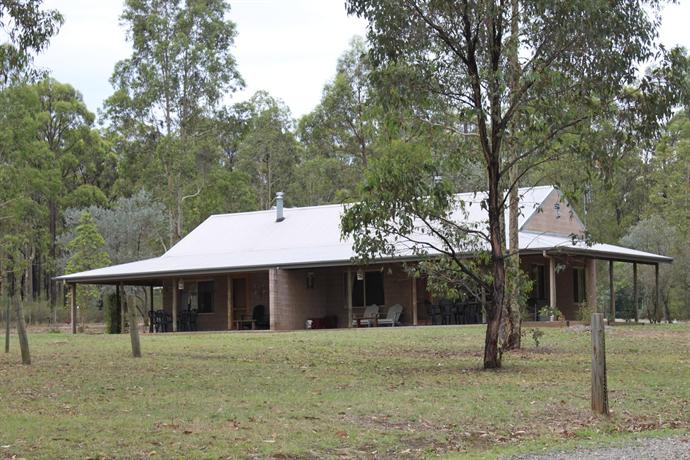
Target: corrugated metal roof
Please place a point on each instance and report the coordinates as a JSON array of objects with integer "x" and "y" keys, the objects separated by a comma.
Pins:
[{"x": 308, "y": 236}]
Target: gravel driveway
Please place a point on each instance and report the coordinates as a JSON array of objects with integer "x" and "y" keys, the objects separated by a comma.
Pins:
[{"x": 676, "y": 448}]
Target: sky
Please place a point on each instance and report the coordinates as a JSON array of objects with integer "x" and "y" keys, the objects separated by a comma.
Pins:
[{"x": 286, "y": 47}]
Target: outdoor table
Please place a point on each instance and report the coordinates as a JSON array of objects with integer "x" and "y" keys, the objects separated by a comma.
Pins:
[{"x": 241, "y": 322}]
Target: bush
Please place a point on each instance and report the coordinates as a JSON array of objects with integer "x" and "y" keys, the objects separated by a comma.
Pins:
[{"x": 584, "y": 314}]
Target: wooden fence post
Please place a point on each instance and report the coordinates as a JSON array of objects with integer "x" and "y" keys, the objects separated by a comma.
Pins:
[
  {"x": 133, "y": 329},
  {"x": 73, "y": 309},
  {"x": 8, "y": 314},
  {"x": 612, "y": 297},
  {"x": 600, "y": 400}
]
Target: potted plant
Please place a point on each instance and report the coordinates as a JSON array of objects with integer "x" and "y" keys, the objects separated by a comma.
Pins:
[
  {"x": 547, "y": 313},
  {"x": 544, "y": 313}
]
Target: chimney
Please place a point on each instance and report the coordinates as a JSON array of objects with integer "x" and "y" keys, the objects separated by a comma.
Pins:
[{"x": 279, "y": 207}]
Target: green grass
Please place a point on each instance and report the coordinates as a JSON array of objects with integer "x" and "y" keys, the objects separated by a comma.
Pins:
[{"x": 407, "y": 392}]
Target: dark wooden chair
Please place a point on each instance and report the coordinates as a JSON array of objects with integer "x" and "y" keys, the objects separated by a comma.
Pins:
[
  {"x": 260, "y": 317},
  {"x": 446, "y": 306},
  {"x": 433, "y": 312}
]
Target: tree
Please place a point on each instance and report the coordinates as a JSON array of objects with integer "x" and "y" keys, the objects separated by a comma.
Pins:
[
  {"x": 344, "y": 124},
  {"x": 657, "y": 236},
  {"x": 268, "y": 152},
  {"x": 82, "y": 165},
  {"x": 568, "y": 78},
  {"x": 179, "y": 72},
  {"x": 27, "y": 29},
  {"x": 87, "y": 252},
  {"x": 132, "y": 229},
  {"x": 669, "y": 201}
]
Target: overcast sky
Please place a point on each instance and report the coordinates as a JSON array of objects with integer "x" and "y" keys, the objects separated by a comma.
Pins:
[{"x": 286, "y": 47}]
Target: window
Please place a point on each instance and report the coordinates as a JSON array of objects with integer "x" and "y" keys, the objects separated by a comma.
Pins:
[
  {"x": 205, "y": 296},
  {"x": 372, "y": 287},
  {"x": 579, "y": 285}
]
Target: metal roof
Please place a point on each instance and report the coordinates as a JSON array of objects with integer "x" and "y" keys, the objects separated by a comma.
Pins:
[{"x": 309, "y": 236}]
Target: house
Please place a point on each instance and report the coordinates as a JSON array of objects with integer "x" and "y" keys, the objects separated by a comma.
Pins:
[{"x": 293, "y": 264}]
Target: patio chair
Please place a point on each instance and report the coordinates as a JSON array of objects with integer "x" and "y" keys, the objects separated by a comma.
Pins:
[
  {"x": 368, "y": 318},
  {"x": 446, "y": 311},
  {"x": 260, "y": 317},
  {"x": 392, "y": 317}
]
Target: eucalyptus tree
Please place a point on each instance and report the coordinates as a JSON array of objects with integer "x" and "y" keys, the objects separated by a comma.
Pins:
[
  {"x": 25, "y": 29},
  {"x": 87, "y": 252},
  {"x": 180, "y": 70},
  {"x": 573, "y": 60},
  {"x": 24, "y": 181},
  {"x": 268, "y": 151},
  {"x": 343, "y": 125},
  {"x": 81, "y": 163}
]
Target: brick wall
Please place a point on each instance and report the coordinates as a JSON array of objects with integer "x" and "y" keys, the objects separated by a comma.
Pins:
[{"x": 292, "y": 302}]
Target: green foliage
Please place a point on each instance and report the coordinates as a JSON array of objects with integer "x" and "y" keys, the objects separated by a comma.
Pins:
[
  {"x": 536, "y": 334},
  {"x": 87, "y": 251},
  {"x": 25, "y": 28},
  {"x": 167, "y": 93},
  {"x": 404, "y": 210},
  {"x": 133, "y": 228},
  {"x": 268, "y": 151},
  {"x": 531, "y": 77},
  {"x": 658, "y": 236},
  {"x": 584, "y": 314}
]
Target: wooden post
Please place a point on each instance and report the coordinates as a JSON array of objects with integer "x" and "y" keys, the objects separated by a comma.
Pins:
[
  {"x": 121, "y": 306},
  {"x": 7, "y": 321},
  {"x": 73, "y": 309},
  {"x": 600, "y": 399},
  {"x": 349, "y": 298},
  {"x": 636, "y": 299},
  {"x": 552, "y": 283},
  {"x": 612, "y": 297},
  {"x": 657, "y": 294},
  {"x": 483, "y": 302},
  {"x": 591, "y": 283},
  {"x": 174, "y": 304},
  {"x": 230, "y": 302},
  {"x": 151, "y": 309},
  {"x": 134, "y": 331},
  {"x": 414, "y": 301}
]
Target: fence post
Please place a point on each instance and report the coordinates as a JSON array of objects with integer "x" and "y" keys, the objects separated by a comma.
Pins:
[
  {"x": 600, "y": 400},
  {"x": 8, "y": 314}
]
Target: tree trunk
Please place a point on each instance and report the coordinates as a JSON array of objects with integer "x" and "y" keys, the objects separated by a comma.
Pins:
[
  {"x": 52, "y": 257},
  {"x": 514, "y": 320},
  {"x": 21, "y": 327},
  {"x": 494, "y": 310}
]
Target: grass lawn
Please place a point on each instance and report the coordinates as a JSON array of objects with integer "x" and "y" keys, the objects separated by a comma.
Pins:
[{"x": 387, "y": 393}]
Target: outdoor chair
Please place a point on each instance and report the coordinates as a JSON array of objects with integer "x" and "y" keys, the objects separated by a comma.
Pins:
[
  {"x": 260, "y": 317},
  {"x": 433, "y": 312},
  {"x": 368, "y": 318},
  {"x": 192, "y": 319},
  {"x": 162, "y": 321},
  {"x": 392, "y": 317},
  {"x": 446, "y": 311}
]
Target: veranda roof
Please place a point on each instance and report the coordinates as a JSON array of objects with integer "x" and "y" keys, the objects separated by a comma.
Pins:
[{"x": 311, "y": 237}]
